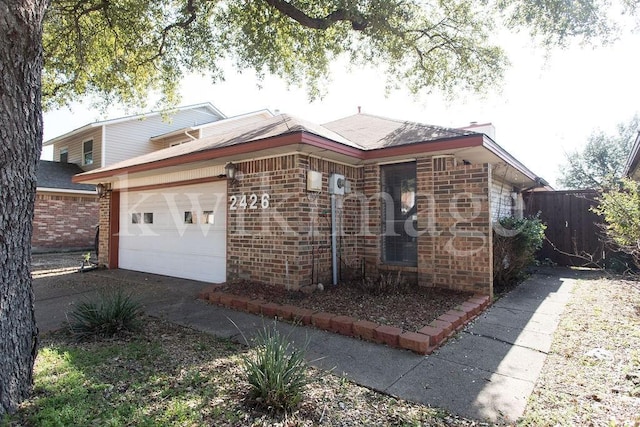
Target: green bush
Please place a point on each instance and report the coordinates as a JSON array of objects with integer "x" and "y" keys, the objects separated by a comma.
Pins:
[
  {"x": 621, "y": 210},
  {"x": 277, "y": 372},
  {"x": 515, "y": 242},
  {"x": 112, "y": 314}
]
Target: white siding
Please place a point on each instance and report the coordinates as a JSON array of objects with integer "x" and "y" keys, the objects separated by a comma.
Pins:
[
  {"x": 128, "y": 139},
  {"x": 501, "y": 200},
  {"x": 74, "y": 145}
]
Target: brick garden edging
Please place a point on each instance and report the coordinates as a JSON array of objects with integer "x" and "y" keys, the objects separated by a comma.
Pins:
[{"x": 423, "y": 341}]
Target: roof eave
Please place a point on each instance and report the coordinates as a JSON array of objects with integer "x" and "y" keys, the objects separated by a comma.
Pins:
[
  {"x": 73, "y": 133},
  {"x": 492, "y": 146}
]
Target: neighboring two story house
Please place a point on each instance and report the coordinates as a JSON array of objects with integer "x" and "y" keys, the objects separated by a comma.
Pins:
[{"x": 66, "y": 214}]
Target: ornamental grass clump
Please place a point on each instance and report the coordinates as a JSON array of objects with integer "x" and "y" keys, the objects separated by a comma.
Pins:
[
  {"x": 112, "y": 314},
  {"x": 276, "y": 371}
]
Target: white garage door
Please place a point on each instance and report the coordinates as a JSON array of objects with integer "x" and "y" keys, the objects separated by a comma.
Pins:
[{"x": 177, "y": 231}]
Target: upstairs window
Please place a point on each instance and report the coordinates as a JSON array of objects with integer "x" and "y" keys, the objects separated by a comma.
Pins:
[
  {"x": 64, "y": 155},
  {"x": 87, "y": 152},
  {"x": 399, "y": 214}
]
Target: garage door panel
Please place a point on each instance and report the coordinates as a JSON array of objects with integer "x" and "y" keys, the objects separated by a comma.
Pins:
[
  {"x": 195, "y": 267},
  {"x": 168, "y": 245}
]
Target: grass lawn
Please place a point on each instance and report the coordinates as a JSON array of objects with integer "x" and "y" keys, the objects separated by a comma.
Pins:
[{"x": 170, "y": 375}]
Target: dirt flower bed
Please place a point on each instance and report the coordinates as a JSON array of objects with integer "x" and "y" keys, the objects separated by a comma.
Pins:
[{"x": 409, "y": 308}]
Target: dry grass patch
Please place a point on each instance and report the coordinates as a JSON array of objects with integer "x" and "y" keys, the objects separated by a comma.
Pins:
[
  {"x": 171, "y": 375},
  {"x": 592, "y": 375}
]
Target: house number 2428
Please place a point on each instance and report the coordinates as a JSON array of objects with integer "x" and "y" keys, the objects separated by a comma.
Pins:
[{"x": 248, "y": 202}]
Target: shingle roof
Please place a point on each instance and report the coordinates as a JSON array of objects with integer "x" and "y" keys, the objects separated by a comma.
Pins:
[
  {"x": 374, "y": 132},
  {"x": 58, "y": 175},
  {"x": 281, "y": 124}
]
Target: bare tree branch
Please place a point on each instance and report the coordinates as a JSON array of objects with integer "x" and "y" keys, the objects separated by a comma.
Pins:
[{"x": 357, "y": 20}]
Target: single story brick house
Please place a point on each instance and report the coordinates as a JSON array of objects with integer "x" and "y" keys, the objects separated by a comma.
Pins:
[
  {"x": 285, "y": 201},
  {"x": 66, "y": 213}
]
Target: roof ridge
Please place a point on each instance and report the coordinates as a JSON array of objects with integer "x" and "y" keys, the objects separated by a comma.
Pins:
[{"x": 401, "y": 121}]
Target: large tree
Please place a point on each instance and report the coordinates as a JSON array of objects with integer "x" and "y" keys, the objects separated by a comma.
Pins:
[
  {"x": 120, "y": 50},
  {"x": 600, "y": 163}
]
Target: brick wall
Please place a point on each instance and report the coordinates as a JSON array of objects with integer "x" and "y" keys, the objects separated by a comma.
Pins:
[
  {"x": 64, "y": 221},
  {"x": 262, "y": 244},
  {"x": 454, "y": 226},
  {"x": 316, "y": 215},
  {"x": 371, "y": 218},
  {"x": 461, "y": 246},
  {"x": 289, "y": 243},
  {"x": 103, "y": 221}
]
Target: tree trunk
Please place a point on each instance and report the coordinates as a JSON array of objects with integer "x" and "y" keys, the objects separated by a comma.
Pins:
[{"x": 20, "y": 145}]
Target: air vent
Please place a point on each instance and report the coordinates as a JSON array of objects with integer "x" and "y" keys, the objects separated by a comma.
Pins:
[{"x": 442, "y": 163}]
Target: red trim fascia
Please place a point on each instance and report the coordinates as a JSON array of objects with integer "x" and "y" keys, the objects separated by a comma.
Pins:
[{"x": 114, "y": 229}]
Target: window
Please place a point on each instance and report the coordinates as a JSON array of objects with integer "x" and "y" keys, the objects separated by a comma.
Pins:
[
  {"x": 64, "y": 155},
  {"x": 188, "y": 218},
  {"x": 399, "y": 214},
  {"x": 136, "y": 218},
  {"x": 207, "y": 217},
  {"x": 87, "y": 152},
  {"x": 148, "y": 217}
]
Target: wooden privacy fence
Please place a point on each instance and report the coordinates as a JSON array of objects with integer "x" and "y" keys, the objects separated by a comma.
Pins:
[{"x": 573, "y": 236}]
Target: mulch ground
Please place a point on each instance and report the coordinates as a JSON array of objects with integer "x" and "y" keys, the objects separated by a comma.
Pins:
[{"x": 409, "y": 308}]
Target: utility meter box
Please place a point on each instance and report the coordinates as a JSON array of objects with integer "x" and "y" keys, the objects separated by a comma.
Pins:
[
  {"x": 336, "y": 184},
  {"x": 314, "y": 181}
]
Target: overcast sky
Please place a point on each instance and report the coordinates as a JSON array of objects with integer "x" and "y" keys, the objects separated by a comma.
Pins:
[{"x": 546, "y": 107}]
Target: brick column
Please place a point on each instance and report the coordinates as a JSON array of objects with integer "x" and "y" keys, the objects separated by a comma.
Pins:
[
  {"x": 426, "y": 220},
  {"x": 105, "y": 230},
  {"x": 372, "y": 219},
  {"x": 463, "y": 245}
]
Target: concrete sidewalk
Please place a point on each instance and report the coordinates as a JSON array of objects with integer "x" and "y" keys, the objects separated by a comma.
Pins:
[{"x": 487, "y": 372}]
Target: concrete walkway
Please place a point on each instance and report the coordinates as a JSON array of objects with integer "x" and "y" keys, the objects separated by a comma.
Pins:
[{"x": 487, "y": 372}]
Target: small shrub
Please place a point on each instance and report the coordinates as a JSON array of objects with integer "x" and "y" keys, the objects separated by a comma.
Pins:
[
  {"x": 515, "y": 242},
  {"x": 112, "y": 314},
  {"x": 384, "y": 284},
  {"x": 277, "y": 373}
]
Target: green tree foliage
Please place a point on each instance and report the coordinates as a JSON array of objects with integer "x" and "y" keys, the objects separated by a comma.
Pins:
[
  {"x": 601, "y": 162},
  {"x": 620, "y": 208},
  {"x": 121, "y": 50}
]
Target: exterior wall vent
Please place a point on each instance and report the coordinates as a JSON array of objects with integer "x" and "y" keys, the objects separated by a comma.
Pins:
[{"x": 441, "y": 163}]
